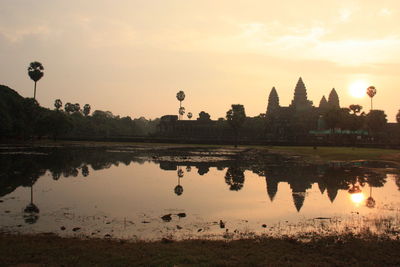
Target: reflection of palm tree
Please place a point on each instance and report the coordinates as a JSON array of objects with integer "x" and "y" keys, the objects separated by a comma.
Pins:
[
  {"x": 370, "y": 203},
  {"x": 234, "y": 177},
  {"x": 354, "y": 189},
  {"x": 85, "y": 171},
  {"x": 180, "y": 172},
  {"x": 178, "y": 189},
  {"x": 188, "y": 168},
  {"x": 31, "y": 211}
]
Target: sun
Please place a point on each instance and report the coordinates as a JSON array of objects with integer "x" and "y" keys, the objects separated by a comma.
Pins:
[{"x": 358, "y": 88}]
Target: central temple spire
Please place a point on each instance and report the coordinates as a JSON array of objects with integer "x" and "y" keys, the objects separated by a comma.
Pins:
[{"x": 300, "y": 100}]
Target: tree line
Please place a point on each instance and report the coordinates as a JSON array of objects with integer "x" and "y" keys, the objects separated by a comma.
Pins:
[{"x": 23, "y": 118}]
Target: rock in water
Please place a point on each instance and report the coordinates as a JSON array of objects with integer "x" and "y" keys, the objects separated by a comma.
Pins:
[
  {"x": 181, "y": 215},
  {"x": 166, "y": 218}
]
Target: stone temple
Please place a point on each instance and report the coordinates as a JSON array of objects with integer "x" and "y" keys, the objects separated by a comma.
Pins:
[{"x": 295, "y": 121}]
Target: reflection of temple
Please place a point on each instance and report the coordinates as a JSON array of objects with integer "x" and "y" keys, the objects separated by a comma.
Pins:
[
  {"x": 24, "y": 170},
  {"x": 328, "y": 178}
]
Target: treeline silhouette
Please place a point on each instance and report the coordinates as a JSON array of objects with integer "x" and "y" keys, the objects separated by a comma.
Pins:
[
  {"x": 24, "y": 168},
  {"x": 22, "y": 118}
]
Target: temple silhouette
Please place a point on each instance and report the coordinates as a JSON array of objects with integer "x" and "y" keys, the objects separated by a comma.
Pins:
[{"x": 301, "y": 122}]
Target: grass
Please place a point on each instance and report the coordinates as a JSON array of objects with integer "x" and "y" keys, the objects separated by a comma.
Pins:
[
  {"x": 51, "y": 250},
  {"x": 321, "y": 153}
]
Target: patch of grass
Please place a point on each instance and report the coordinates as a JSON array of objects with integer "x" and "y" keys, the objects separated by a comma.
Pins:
[{"x": 343, "y": 250}]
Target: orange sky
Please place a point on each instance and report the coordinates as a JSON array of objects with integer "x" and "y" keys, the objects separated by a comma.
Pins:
[{"x": 131, "y": 57}]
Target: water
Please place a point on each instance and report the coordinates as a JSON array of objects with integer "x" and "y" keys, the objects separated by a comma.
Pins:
[{"x": 124, "y": 192}]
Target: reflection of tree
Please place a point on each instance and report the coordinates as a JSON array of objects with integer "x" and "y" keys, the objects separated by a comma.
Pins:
[
  {"x": 203, "y": 169},
  {"x": 85, "y": 170},
  {"x": 397, "y": 179},
  {"x": 370, "y": 202},
  {"x": 25, "y": 169},
  {"x": 179, "y": 189},
  {"x": 31, "y": 211},
  {"x": 234, "y": 177}
]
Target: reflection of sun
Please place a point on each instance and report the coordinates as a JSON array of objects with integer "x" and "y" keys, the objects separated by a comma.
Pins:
[
  {"x": 358, "y": 88},
  {"x": 357, "y": 198}
]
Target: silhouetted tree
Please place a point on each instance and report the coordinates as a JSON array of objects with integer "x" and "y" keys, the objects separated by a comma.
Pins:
[
  {"x": 376, "y": 120},
  {"x": 180, "y": 96},
  {"x": 236, "y": 117},
  {"x": 86, "y": 110},
  {"x": 76, "y": 107},
  {"x": 55, "y": 124},
  {"x": 371, "y": 92},
  {"x": 57, "y": 104},
  {"x": 69, "y": 108},
  {"x": 398, "y": 117},
  {"x": 181, "y": 111},
  {"x": 190, "y": 115},
  {"x": 203, "y": 116},
  {"x": 35, "y": 72},
  {"x": 355, "y": 108}
]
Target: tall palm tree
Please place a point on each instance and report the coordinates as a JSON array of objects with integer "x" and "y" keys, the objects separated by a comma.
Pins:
[
  {"x": 371, "y": 92},
  {"x": 35, "y": 72},
  {"x": 58, "y": 104},
  {"x": 180, "y": 96}
]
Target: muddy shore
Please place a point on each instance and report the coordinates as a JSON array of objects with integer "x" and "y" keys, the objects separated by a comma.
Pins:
[{"x": 346, "y": 250}]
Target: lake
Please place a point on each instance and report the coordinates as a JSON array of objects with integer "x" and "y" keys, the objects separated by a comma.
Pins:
[{"x": 152, "y": 192}]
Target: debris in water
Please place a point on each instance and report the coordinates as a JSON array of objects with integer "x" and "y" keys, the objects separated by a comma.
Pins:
[
  {"x": 166, "y": 218},
  {"x": 181, "y": 215}
]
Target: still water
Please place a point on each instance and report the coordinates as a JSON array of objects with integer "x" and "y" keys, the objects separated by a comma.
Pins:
[{"x": 146, "y": 194}]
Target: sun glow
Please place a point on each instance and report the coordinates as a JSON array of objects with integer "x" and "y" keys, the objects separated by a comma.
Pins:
[
  {"x": 358, "y": 88},
  {"x": 357, "y": 198}
]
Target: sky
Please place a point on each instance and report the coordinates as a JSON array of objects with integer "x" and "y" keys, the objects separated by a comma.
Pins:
[{"x": 131, "y": 57}]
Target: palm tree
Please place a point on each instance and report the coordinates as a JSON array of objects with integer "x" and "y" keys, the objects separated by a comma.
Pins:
[
  {"x": 190, "y": 115},
  {"x": 181, "y": 111},
  {"x": 58, "y": 104},
  {"x": 35, "y": 72},
  {"x": 180, "y": 96},
  {"x": 86, "y": 109},
  {"x": 355, "y": 108},
  {"x": 398, "y": 117},
  {"x": 371, "y": 92}
]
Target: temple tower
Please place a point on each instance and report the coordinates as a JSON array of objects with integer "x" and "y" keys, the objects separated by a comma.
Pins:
[
  {"x": 273, "y": 101},
  {"x": 323, "y": 104},
  {"x": 333, "y": 100},
  {"x": 300, "y": 101}
]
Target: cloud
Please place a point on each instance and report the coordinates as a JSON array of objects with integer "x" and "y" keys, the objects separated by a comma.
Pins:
[{"x": 18, "y": 34}]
